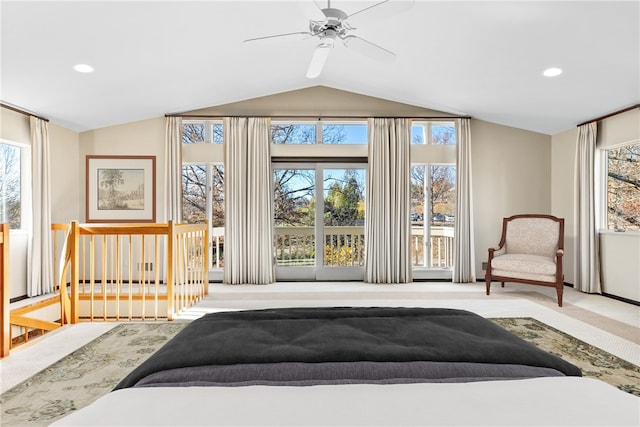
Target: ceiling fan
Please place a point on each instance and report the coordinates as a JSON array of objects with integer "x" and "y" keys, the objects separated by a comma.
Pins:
[{"x": 334, "y": 25}]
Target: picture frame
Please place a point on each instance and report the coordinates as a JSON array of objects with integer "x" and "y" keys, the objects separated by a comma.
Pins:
[{"x": 120, "y": 188}]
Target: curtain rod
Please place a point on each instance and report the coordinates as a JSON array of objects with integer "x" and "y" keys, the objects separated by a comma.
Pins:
[
  {"x": 21, "y": 111},
  {"x": 221, "y": 116},
  {"x": 606, "y": 116}
]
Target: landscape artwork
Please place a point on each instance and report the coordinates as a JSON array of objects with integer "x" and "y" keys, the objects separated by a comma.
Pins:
[{"x": 120, "y": 189}]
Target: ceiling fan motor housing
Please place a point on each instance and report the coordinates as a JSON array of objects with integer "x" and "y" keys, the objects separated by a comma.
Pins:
[{"x": 333, "y": 26}]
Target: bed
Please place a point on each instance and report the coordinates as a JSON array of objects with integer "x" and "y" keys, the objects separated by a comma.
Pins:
[{"x": 355, "y": 366}]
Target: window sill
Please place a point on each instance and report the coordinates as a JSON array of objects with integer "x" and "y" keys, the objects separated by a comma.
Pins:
[{"x": 621, "y": 233}]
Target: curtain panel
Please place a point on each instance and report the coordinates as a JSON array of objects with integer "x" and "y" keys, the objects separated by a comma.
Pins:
[
  {"x": 173, "y": 170},
  {"x": 248, "y": 201},
  {"x": 388, "y": 202},
  {"x": 40, "y": 253},
  {"x": 463, "y": 244},
  {"x": 587, "y": 267}
]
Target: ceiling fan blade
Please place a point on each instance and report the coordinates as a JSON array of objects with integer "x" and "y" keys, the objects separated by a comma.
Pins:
[
  {"x": 369, "y": 49},
  {"x": 319, "y": 58},
  {"x": 390, "y": 7},
  {"x": 300, "y": 35}
]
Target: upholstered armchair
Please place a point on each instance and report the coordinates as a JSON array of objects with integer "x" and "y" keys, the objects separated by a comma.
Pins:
[{"x": 530, "y": 251}]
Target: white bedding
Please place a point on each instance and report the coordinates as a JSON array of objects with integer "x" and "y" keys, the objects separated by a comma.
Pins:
[{"x": 553, "y": 401}]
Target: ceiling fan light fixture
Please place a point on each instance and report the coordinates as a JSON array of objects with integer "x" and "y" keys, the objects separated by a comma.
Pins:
[{"x": 319, "y": 58}]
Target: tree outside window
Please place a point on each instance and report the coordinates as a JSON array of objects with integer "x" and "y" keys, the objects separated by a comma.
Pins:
[
  {"x": 10, "y": 186},
  {"x": 623, "y": 188}
]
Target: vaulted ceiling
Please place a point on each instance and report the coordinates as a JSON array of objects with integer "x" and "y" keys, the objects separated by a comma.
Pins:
[{"x": 479, "y": 58}]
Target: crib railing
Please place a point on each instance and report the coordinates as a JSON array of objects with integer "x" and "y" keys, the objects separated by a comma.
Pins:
[{"x": 130, "y": 271}]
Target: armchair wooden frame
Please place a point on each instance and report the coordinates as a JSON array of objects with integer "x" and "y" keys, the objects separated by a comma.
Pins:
[{"x": 558, "y": 284}]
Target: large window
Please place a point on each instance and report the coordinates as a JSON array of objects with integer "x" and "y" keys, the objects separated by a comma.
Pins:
[
  {"x": 203, "y": 199},
  {"x": 12, "y": 184},
  {"x": 319, "y": 132},
  {"x": 623, "y": 187},
  {"x": 433, "y": 192},
  {"x": 433, "y": 197}
]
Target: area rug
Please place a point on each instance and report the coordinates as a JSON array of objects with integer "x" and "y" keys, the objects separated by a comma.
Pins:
[{"x": 93, "y": 370}]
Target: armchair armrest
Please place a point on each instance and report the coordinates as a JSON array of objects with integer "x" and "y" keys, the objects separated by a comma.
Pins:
[{"x": 493, "y": 252}]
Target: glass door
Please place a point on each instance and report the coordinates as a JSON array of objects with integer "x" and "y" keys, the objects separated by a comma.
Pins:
[
  {"x": 319, "y": 221},
  {"x": 432, "y": 220}
]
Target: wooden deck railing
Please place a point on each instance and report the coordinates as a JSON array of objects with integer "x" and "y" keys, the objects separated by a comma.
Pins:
[{"x": 131, "y": 271}]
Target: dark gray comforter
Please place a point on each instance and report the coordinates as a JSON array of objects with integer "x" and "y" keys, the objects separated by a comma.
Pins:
[{"x": 302, "y": 346}]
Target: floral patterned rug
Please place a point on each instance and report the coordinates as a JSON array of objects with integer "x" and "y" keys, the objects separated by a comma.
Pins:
[{"x": 93, "y": 370}]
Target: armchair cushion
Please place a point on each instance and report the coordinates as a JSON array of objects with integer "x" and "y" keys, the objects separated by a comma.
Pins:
[
  {"x": 538, "y": 236},
  {"x": 524, "y": 263}
]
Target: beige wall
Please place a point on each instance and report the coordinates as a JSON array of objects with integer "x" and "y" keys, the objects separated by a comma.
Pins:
[
  {"x": 143, "y": 138},
  {"x": 511, "y": 167},
  {"x": 511, "y": 175},
  {"x": 619, "y": 129},
  {"x": 563, "y": 156},
  {"x": 514, "y": 171},
  {"x": 64, "y": 185},
  {"x": 64, "y": 155},
  {"x": 318, "y": 101},
  {"x": 14, "y": 126}
]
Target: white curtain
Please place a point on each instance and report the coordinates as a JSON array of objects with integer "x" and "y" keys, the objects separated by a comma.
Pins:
[
  {"x": 40, "y": 254},
  {"x": 587, "y": 274},
  {"x": 463, "y": 252},
  {"x": 388, "y": 203},
  {"x": 248, "y": 253},
  {"x": 173, "y": 170}
]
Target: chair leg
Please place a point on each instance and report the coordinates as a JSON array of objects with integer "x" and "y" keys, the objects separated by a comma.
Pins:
[
  {"x": 488, "y": 284},
  {"x": 502, "y": 284},
  {"x": 560, "y": 291}
]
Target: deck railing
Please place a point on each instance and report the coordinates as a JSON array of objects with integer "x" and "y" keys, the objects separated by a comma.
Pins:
[
  {"x": 344, "y": 246},
  {"x": 132, "y": 271}
]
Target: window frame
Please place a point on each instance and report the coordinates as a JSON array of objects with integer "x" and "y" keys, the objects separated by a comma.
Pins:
[
  {"x": 602, "y": 188},
  {"x": 319, "y": 125},
  {"x": 25, "y": 185},
  {"x": 208, "y": 130},
  {"x": 428, "y": 125}
]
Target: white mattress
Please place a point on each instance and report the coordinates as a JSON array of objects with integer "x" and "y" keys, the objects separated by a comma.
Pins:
[{"x": 555, "y": 401}]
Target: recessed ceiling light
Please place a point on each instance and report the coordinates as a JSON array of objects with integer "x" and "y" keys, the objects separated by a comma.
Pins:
[
  {"x": 552, "y": 72},
  {"x": 83, "y": 68}
]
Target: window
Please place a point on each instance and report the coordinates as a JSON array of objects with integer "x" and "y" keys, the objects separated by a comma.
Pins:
[
  {"x": 438, "y": 133},
  {"x": 202, "y": 131},
  {"x": 623, "y": 187},
  {"x": 433, "y": 194},
  {"x": 13, "y": 159},
  {"x": 319, "y": 132},
  {"x": 203, "y": 199},
  {"x": 433, "y": 197}
]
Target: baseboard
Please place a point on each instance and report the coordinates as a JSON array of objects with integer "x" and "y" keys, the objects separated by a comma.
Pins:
[{"x": 623, "y": 299}]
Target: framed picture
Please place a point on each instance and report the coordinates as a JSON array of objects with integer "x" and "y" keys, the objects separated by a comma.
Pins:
[{"x": 121, "y": 189}]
